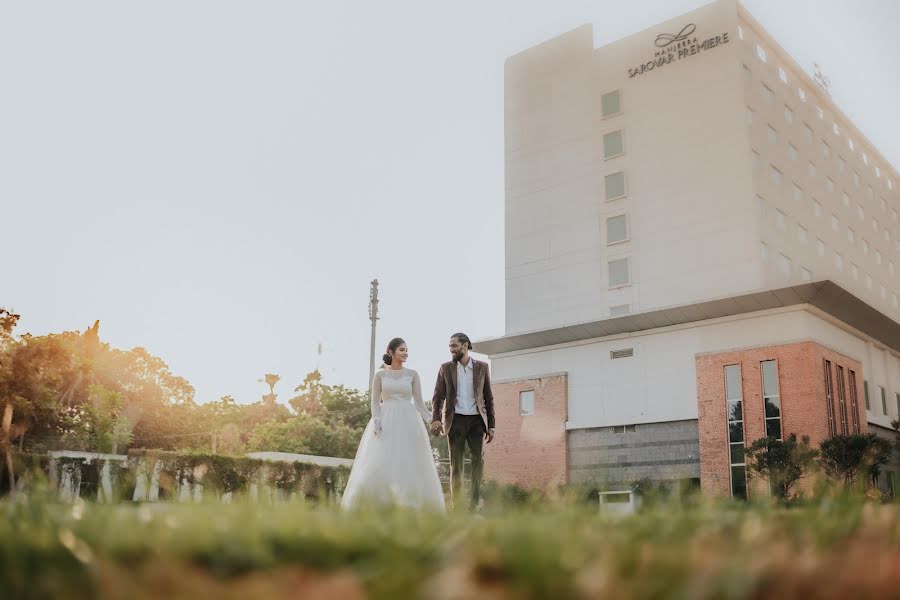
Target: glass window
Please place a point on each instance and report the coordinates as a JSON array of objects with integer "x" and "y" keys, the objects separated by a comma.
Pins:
[
  {"x": 613, "y": 144},
  {"x": 616, "y": 229},
  {"x": 615, "y": 185},
  {"x": 866, "y": 393},
  {"x": 798, "y": 193},
  {"x": 829, "y": 398},
  {"x": 735, "y": 418},
  {"x": 784, "y": 265},
  {"x": 618, "y": 272},
  {"x": 611, "y": 103},
  {"x": 619, "y": 310},
  {"x": 883, "y": 401},
  {"x": 526, "y": 403},
  {"x": 771, "y": 398},
  {"x": 788, "y": 114}
]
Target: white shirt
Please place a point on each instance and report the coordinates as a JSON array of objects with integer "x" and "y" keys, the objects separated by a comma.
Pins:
[{"x": 465, "y": 388}]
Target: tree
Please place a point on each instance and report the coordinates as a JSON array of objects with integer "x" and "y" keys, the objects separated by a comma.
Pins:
[
  {"x": 845, "y": 457},
  {"x": 781, "y": 462},
  {"x": 305, "y": 434}
]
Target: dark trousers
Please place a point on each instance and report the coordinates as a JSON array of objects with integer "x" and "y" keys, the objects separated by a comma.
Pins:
[{"x": 466, "y": 429}]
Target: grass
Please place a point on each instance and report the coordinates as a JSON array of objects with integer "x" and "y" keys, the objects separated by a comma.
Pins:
[{"x": 834, "y": 548}]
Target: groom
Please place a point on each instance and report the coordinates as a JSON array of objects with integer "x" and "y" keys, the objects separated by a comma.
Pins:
[{"x": 463, "y": 410}]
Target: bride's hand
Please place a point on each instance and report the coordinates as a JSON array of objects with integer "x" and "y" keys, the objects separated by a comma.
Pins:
[{"x": 376, "y": 427}]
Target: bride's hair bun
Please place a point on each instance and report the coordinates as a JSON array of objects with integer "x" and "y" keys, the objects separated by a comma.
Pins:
[
  {"x": 395, "y": 343},
  {"x": 387, "y": 359}
]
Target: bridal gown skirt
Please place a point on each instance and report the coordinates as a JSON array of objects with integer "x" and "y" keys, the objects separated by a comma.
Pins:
[{"x": 396, "y": 466}]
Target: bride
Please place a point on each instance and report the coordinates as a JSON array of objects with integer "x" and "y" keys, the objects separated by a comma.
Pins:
[{"x": 394, "y": 463}]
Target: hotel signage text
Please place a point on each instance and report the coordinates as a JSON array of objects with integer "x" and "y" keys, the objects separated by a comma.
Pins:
[{"x": 675, "y": 47}]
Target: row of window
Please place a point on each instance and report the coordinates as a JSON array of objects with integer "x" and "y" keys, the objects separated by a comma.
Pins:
[
  {"x": 884, "y": 401},
  {"x": 842, "y": 420},
  {"x": 802, "y": 95},
  {"x": 734, "y": 401},
  {"x": 617, "y": 231}
]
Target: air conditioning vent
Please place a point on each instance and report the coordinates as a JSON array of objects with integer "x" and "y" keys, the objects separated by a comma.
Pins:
[{"x": 623, "y": 353}]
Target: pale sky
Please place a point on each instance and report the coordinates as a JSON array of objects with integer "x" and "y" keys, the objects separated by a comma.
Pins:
[{"x": 219, "y": 181}]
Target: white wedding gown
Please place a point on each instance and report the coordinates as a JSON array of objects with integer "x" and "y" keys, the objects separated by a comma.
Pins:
[{"x": 395, "y": 466}]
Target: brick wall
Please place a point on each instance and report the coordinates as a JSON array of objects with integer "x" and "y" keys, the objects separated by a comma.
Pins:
[
  {"x": 804, "y": 410},
  {"x": 529, "y": 450}
]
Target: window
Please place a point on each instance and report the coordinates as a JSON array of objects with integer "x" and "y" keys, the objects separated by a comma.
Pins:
[
  {"x": 854, "y": 271},
  {"x": 865, "y": 246},
  {"x": 764, "y": 251},
  {"x": 897, "y": 400},
  {"x": 807, "y": 133},
  {"x": 788, "y": 114},
  {"x": 845, "y": 199},
  {"x": 772, "y": 135},
  {"x": 874, "y": 224},
  {"x": 754, "y": 158},
  {"x": 623, "y": 428},
  {"x": 779, "y": 219},
  {"x": 760, "y": 53},
  {"x": 835, "y": 129},
  {"x": 618, "y": 272},
  {"x": 613, "y": 144},
  {"x": 883, "y": 203},
  {"x": 526, "y": 403},
  {"x": 891, "y": 267},
  {"x": 611, "y": 104},
  {"x": 826, "y": 150},
  {"x": 741, "y": 33},
  {"x": 792, "y": 152},
  {"x": 798, "y": 193},
  {"x": 775, "y": 175},
  {"x": 890, "y": 184},
  {"x": 619, "y": 310},
  {"x": 771, "y": 398},
  {"x": 870, "y": 195},
  {"x": 761, "y": 204},
  {"x": 894, "y": 217},
  {"x": 748, "y": 75},
  {"x": 838, "y": 261},
  {"x": 817, "y": 208},
  {"x": 820, "y": 112},
  {"x": 877, "y": 172},
  {"x": 882, "y": 292},
  {"x": 782, "y": 75},
  {"x": 805, "y": 274},
  {"x": 616, "y": 229},
  {"x": 802, "y": 93},
  {"x": 868, "y": 281},
  {"x": 865, "y": 159},
  {"x": 851, "y": 235},
  {"x": 623, "y": 353},
  {"x": 866, "y": 393},
  {"x": 854, "y": 401},
  {"x": 877, "y": 257},
  {"x": 734, "y": 399},
  {"x": 883, "y": 401},
  {"x": 829, "y": 397},
  {"x": 768, "y": 96},
  {"x": 850, "y": 144},
  {"x": 784, "y": 265},
  {"x": 802, "y": 234},
  {"x": 842, "y": 400},
  {"x": 835, "y": 223},
  {"x": 842, "y": 164},
  {"x": 749, "y": 116},
  {"x": 820, "y": 247},
  {"x": 829, "y": 184},
  {"x": 855, "y": 178},
  {"x": 812, "y": 169},
  {"x": 860, "y": 213},
  {"x": 615, "y": 185}
]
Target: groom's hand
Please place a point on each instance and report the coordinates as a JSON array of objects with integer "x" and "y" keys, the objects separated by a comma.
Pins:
[
  {"x": 435, "y": 427},
  {"x": 489, "y": 436}
]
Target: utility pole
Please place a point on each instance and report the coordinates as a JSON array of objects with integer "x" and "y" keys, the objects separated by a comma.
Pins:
[{"x": 373, "y": 316}]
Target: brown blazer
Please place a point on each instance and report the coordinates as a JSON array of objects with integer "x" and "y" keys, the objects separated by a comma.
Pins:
[{"x": 443, "y": 403}]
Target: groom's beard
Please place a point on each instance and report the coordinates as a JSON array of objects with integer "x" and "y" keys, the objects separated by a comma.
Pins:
[{"x": 457, "y": 356}]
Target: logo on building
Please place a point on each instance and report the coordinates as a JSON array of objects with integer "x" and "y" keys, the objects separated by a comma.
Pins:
[{"x": 675, "y": 46}]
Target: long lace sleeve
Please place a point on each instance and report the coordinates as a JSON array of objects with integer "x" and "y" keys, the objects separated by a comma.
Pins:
[
  {"x": 417, "y": 398},
  {"x": 376, "y": 401}
]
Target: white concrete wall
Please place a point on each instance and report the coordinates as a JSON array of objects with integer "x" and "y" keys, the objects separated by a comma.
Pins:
[
  {"x": 872, "y": 193},
  {"x": 689, "y": 191},
  {"x": 659, "y": 382}
]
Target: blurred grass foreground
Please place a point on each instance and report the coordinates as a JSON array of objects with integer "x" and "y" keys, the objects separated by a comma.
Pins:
[{"x": 835, "y": 547}]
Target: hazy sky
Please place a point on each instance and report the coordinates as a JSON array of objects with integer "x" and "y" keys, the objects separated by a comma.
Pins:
[{"x": 219, "y": 181}]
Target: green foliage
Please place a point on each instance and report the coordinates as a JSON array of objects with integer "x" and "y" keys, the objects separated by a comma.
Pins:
[
  {"x": 845, "y": 457},
  {"x": 781, "y": 462}
]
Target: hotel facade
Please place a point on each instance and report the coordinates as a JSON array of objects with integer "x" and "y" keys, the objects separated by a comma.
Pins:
[{"x": 701, "y": 250}]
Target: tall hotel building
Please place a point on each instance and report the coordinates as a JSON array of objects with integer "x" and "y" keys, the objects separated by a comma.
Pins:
[{"x": 701, "y": 250}]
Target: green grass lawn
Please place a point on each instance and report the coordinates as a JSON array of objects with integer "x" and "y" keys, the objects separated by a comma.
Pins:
[{"x": 830, "y": 549}]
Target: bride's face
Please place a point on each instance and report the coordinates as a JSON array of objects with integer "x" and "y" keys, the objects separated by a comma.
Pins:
[{"x": 401, "y": 353}]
